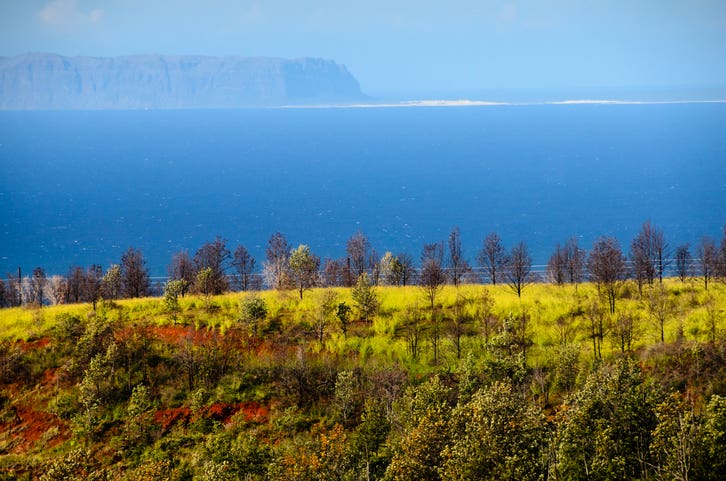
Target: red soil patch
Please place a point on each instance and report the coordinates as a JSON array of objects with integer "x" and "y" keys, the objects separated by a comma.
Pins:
[
  {"x": 41, "y": 343},
  {"x": 220, "y": 412},
  {"x": 169, "y": 417},
  {"x": 29, "y": 426},
  {"x": 50, "y": 376}
]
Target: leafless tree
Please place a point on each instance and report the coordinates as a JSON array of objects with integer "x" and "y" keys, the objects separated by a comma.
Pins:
[
  {"x": 518, "y": 268},
  {"x": 76, "y": 285},
  {"x": 557, "y": 266},
  {"x": 412, "y": 327},
  {"x": 660, "y": 308},
  {"x": 458, "y": 266},
  {"x": 683, "y": 262},
  {"x": 4, "y": 295},
  {"x": 359, "y": 253},
  {"x": 708, "y": 258},
  {"x": 14, "y": 293},
  {"x": 56, "y": 287},
  {"x": 244, "y": 265},
  {"x": 607, "y": 268},
  {"x": 37, "y": 286},
  {"x": 461, "y": 321},
  {"x": 721, "y": 264},
  {"x": 407, "y": 272},
  {"x": 647, "y": 255},
  {"x": 277, "y": 267},
  {"x": 492, "y": 256},
  {"x": 134, "y": 275},
  {"x": 182, "y": 268},
  {"x": 214, "y": 255},
  {"x": 576, "y": 260},
  {"x": 432, "y": 277},
  {"x": 94, "y": 284}
]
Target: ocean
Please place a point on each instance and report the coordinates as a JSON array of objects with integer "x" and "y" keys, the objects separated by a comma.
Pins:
[{"x": 78, "y": 188}]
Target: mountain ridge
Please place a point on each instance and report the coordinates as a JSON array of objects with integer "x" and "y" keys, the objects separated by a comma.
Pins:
[{"x": 49, "y": 81}]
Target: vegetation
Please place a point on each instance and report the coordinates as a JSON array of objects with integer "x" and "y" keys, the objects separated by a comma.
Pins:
[
  {"x": 371, "y": 369},
  {"x": 270, "y": 385}
]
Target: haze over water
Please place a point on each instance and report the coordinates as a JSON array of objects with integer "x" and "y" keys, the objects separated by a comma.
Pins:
[{"x": 80, "y": 187}]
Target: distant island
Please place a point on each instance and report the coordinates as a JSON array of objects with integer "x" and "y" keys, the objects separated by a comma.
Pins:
[{"x": 46, "y": 81}]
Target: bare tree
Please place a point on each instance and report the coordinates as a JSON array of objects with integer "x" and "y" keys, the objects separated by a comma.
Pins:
[
  {"x": 304, "y": 267},
  {"x": 333, "y": 272},
  {"x": 458, "y": 266},
  {"x": 76, "y": 285},
  {"x": 683, "y": 262},
  {"x": 432, "y": 277},
  {"x": 407, "y": 272},
  {"x": 182, "y": 268},
  {"x": 37, "y": 286},
  {"x": 708, "y": 258},
  {"x": 557, "y": 266},
  {"x": 607, "y": 268},
  {"x": 134, "y": 275},
  {"x": 276, "y": 267},
  {"x": 94, "y": 284},
  {"x": 660, "y": 308},
  {"x": 244, "y": 265},
  {"x": 359, "y": 253},
  {"x": 518, "y": 268},
  {"x": 647, "y": 252},
  {"x": 492, "y": 256},
  {"x": 576, "y": 260},
  {"x": 214, "y": 255}
]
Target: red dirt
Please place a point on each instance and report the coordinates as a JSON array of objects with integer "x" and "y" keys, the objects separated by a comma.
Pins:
[
  {"x": 220, "y": 412},
  {"x": 29, "y": 426},
  {"x": 169, "y": 417},
  {"x": 27, "y": 346}
]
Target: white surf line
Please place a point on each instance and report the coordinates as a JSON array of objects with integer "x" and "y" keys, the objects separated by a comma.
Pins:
[{"x": 487, "y": 103}]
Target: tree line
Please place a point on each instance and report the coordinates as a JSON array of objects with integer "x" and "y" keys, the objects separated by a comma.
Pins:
[{"x": 214, "y": 268}]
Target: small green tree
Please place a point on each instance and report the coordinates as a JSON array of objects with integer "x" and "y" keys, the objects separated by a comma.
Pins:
[
  {"x": 365, "y": 298},
  {"x": 253, "y": 311},
  {"x": 204, "y": 285},
  {"x": 304, "y": 267},
  {"x": 342, "y": 312},
  {"x": 172, "y": 290}
]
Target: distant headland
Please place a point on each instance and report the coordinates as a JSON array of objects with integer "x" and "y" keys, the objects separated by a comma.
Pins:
[{"x": 47, "y": 81}]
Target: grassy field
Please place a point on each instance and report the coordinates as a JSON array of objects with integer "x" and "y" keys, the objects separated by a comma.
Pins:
[{"x": 134, "y": 390}]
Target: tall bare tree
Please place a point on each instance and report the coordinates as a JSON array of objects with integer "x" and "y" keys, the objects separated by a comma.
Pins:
[
  {"x": 244, "y": 265},
  {"x": 576, "y": 261},
  {"x": 37, "y": 286},
  {"x": 214, "y": 255},
  {"x": 708, "y": 258},
  {"x": 647, "y": 255},
  {"x": 518, "y": 268},
  {"x": 277, "y": 267},
  {"x": 76, "y": 285},
  {"x": 94, "y": 284},
  {"x": 182, "y": 268},
  {"x": 359, "y": 253},
  {"x": 607, "y": 268},
  {"x": 432, "y": 277},
  {"x": 557, "y": 266},
  {"x": 492, "y": 257},
  {"x": 683, "y": 262},
  {"x": 134, "y": 274},
  {"x": 407, "y": 272},
  {"x": 457, "y": 264}
]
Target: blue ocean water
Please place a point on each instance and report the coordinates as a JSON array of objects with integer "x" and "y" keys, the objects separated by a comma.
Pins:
[{"x": 80, "y": 187}]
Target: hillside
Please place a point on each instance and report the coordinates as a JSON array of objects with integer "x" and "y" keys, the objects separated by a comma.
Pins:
[
  {"x": 45, "y": 81},
  {"x": 270, "y": 386}
]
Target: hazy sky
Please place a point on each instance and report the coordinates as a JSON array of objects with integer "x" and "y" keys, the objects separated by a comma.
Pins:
[{"x": 404, "y": 46}]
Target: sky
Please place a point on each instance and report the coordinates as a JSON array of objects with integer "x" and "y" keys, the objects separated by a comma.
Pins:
[{"x": 406, "y": 47}]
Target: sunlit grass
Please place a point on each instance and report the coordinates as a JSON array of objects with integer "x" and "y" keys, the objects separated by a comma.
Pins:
[{"x": 556, "y": 314}]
